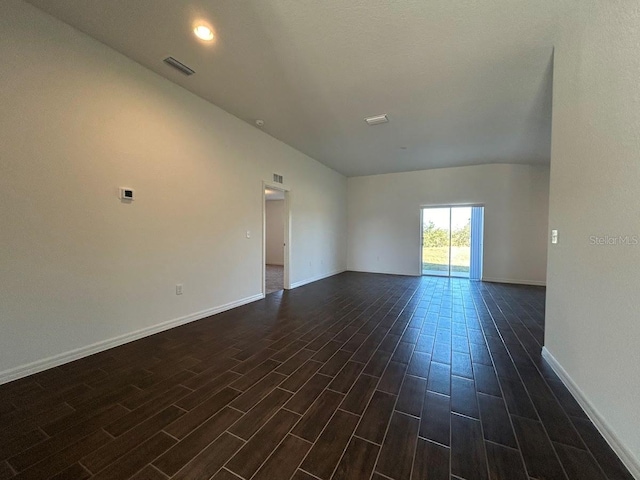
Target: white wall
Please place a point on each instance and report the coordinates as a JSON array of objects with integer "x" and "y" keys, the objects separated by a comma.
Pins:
[
  {"x": 78, "y": 120},
  {"x": 384, "y": 218},
  {"x": 593, "y": 302},
  {"x": 274, "y": 237}
]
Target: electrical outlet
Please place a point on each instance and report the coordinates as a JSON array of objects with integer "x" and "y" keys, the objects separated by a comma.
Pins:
[
  {"x": 248, "y": 233},
  {"x": 554, "y": 236},
  {"x": 179, "y": 289}
]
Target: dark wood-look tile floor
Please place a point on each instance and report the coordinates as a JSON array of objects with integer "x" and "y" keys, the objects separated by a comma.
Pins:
[{"x": 358, "y": 376}]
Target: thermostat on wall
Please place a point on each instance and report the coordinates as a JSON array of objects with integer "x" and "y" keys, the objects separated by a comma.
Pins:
[{"x": 126, "y": 193}]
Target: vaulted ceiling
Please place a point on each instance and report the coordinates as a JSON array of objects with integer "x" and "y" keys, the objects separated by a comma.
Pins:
[{"x": 462, "y": 82}]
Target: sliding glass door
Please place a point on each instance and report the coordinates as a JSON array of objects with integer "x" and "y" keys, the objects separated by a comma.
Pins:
[{"x": 447, "y": 241}]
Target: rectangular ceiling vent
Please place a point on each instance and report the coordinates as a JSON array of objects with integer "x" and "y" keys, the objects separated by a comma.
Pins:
[
  {"x": 181, "y": 67},
  {"x": 277, "y": 178},
  {"x": 377, "y": 120}
]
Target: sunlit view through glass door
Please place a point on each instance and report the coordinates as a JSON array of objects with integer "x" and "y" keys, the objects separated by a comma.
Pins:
[
  {"x": 447, "y": 240},
  {"x": 436, "y": 241}
]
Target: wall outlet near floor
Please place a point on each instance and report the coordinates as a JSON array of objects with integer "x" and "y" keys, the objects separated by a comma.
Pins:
[
  {"x": 554, "y": 236},
  {"x": 179, "y": 289}
]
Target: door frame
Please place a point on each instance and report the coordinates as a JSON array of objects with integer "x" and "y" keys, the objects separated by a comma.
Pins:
[
  {"x": 287, "y": 233},
  {"x": 436, "y": 205}
]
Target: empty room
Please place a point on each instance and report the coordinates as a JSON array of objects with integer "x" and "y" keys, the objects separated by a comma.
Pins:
[{"x": 319, "y": 240}]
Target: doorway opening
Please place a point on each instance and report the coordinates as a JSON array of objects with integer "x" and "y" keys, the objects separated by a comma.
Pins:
[
  {"x": 275, "y": 271},
  {"x": 452, "y": 242}
]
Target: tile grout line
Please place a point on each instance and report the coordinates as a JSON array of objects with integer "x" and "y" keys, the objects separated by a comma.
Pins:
[
  {"x": 285, "y": 436},
  {"x": 346, "y": 394},
  {"x": 375, "y": 464},
  {"x": 545, "y": 380},
  {"x": 528, "y": 397}
]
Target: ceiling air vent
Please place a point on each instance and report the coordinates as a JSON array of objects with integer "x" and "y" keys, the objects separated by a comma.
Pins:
[
  {"x": 181, "y": 67},
  {"x": 277, "y": 178}
]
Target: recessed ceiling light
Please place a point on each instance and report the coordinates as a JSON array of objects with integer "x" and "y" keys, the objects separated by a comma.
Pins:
[
  {"x": 378, "y": 119},
  {"x": 203, "y": 33}
]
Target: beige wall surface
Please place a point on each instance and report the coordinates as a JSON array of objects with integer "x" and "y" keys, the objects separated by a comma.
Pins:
[
  {"x": 384, "y": 218},
  {"x": 78, "y": 266},
  {"x": 593, "y": 306}
]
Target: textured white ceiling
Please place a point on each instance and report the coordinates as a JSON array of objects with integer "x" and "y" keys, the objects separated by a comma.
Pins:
[{"x": 463, "y": 82}]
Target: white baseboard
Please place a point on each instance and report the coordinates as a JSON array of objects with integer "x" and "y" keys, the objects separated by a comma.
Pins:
[
  {"x": 316, "y": 278},
  {"x": 625, "y": 455},
  {"x": 535, "y": 283},
  {"x": 66, "y": 357}
]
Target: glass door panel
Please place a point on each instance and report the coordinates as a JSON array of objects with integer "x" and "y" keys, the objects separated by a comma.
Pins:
[
  {"x": 460, "y": 241},
  {"x": 436, "y": 240}
]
